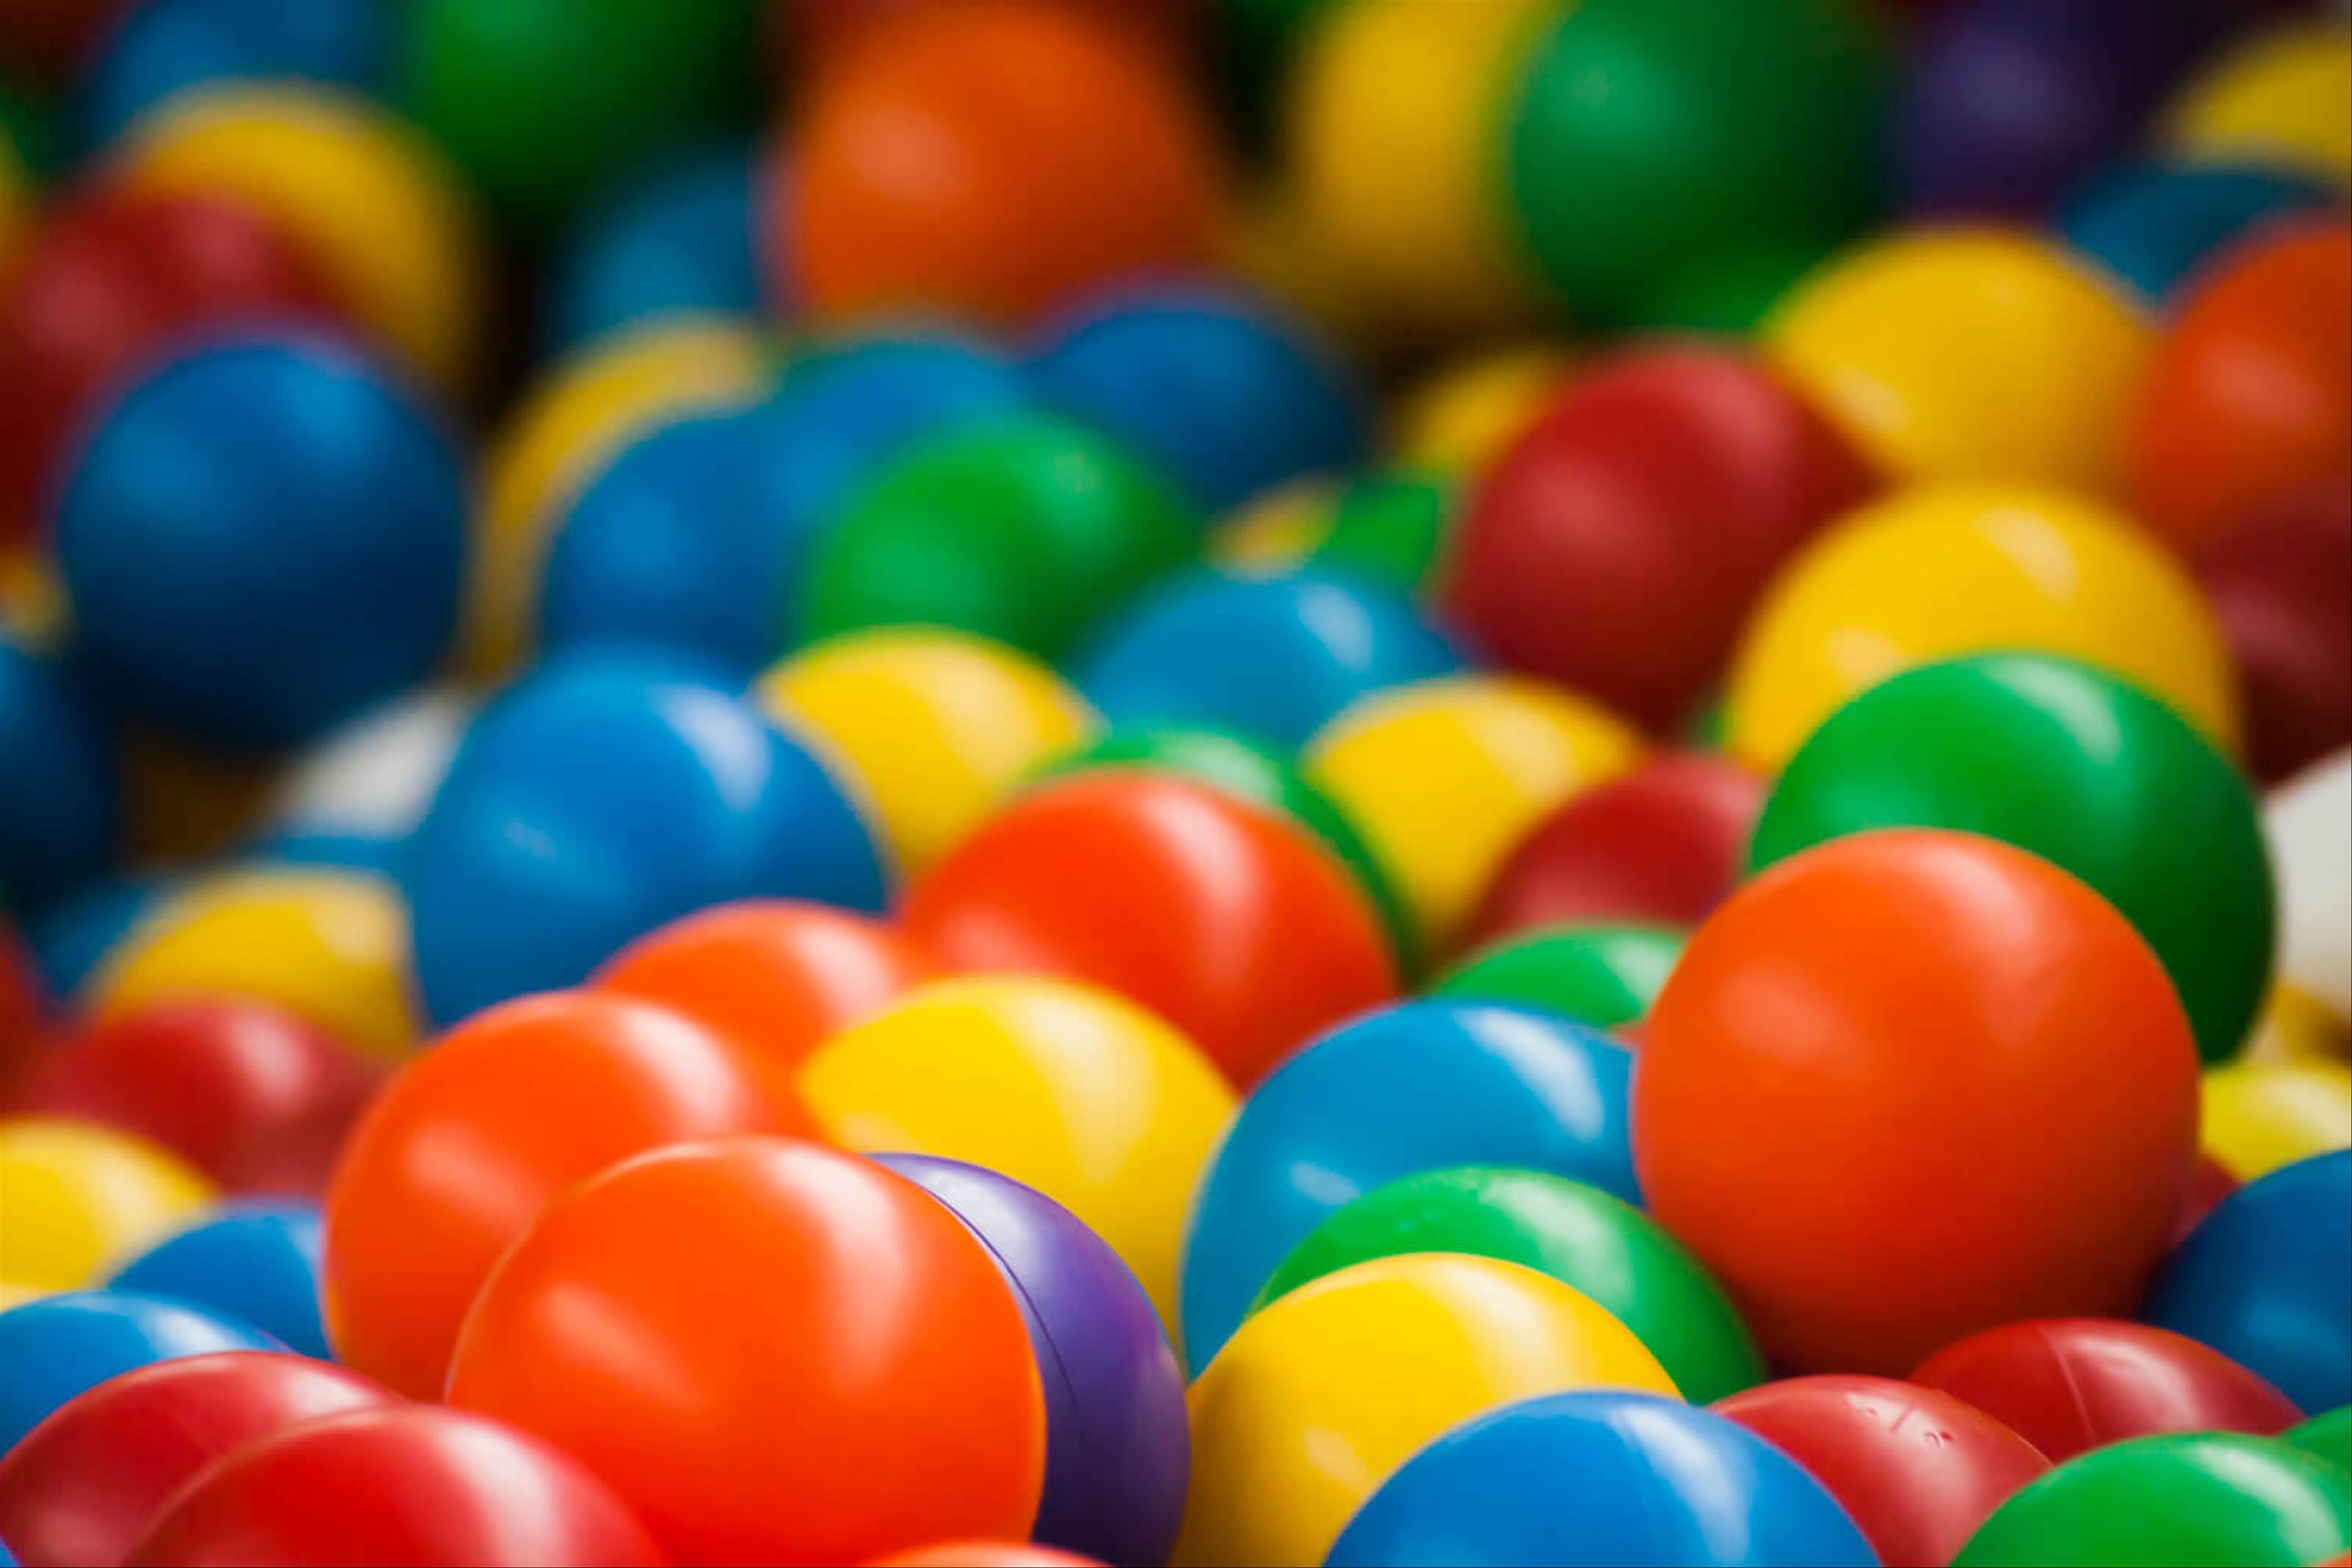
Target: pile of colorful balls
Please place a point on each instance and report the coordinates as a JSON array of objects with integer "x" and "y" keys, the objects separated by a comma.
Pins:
[{"x": 1218, "y": 782}]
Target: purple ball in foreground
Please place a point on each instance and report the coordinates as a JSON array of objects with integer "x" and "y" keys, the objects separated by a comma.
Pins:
[{"x": 1118, "y": 1450}]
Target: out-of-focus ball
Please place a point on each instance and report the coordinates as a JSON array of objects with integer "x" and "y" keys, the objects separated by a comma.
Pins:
[
  {"x": 679, "y": 239},
  {"x": 371, "y": 779},
  {"x": 2259, "y": 1116},
  {"x": 2306, "y": 820},
  {"x": 2278, "y": 98},
  {"x": 2154, "y": 225},
  {"x": 161, "y": 48},
  {"x": 55, "y": 1347},
  {"x": 1599, "y": 976},
  {"x": 2277, "y": 576},
  {"x": 58, "y": 802},
  {"x": 257, "y": 1263},
  {"x": 1462, "y": 417},
  {"x": 83, "y": 1197}
]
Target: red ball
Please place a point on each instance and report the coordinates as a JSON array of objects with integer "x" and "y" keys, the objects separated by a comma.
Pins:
[
  {"x": 87, "y": 1483},
  {"x": 2208, "y": 1185},
  {"x": 984, "y": 1555},
  {"x": 1617, "y": 544},
  {"x": 405, "y": 1486},
  {"x": 1908, "y": 1085},
  {"x": 108, "y": 282},
  {"x": 2281, "y": 577},
  {"x": 2070, "y": 1384},
  {"x": 1664, "y": 844},
  {"x": 259, "y": 1100},
  {"x": 1919, "y": 1469}
]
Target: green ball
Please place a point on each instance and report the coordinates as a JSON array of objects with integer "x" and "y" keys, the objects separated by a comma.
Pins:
[
  {"x": 1598, "y": 975},
  {"x": 2327, "y": 1436},
  {"x": 1578, "y": 1234},
  {"x": 2181, "y": 1498},
  {"x": 1652, "y": 143},
  {"x": 1024, "y": 530},
  {"x": 1389, "y": 526},
  {"x": 2084, "y": 770},
  {"x": 30, "y": 125},
  {"x": 545, "y": 102}
]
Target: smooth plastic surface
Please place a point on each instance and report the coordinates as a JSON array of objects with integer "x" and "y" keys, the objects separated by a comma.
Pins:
[
  {"x": 1599, "y": 975},
  {"x": 257, "y": 1263},
  {"x": 57, "y": 1346},
  {"x": 83, "y": 1197}
]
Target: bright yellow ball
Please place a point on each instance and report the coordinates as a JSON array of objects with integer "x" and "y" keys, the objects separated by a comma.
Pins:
[
  {"x": 1081, "y": 1094},
  {"x": 1443, "y": 777},
  {"x": 373, "y": 202},
  {"x": 2284, "y": 100},
  {"x": 330, "y": 946},
  {"x": 932, "y": 727},
  {"x": 1318, "y": 1399},
  {"x": 1460, "y": 419},
  {"x": 1936, "y": 571},
  {"x": 78, "y": 1200},
  {"x": 2259, "y": 1116},
  {"x": 1969, "y": 354},
  {"x": 2295, "y": 1027}
]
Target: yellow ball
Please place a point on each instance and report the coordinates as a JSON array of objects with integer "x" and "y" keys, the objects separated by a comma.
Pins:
[
  {"x": 1460, "y": 419},
  {"x": 1936, "y": 571},
  {"x": 371, "y": 200},
  {"x": 329, "y": 945},
  {"x": 561, "y": 434},
  {"x": 1391, "y": 141},
  {"x": 1967, "y": 354},
  {"x": 76, "y": 1200},
  {"x": 1083, "y": 1094},
  {"x": 1279, "y": 530},
  {"x": 32, "y": 602},
  {"x": 2295, "y": 1027},
  {"x": 1443, "y": 777},
  {"x": 2284, "y": 100},
  {"x": 932, "y": 727},
  {"x": 1318, "y": 1399},
  {"x": 2259, "y": 1116}
]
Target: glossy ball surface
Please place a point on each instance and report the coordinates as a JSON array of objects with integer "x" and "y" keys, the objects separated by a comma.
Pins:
[
  {"x": 2275, "y": 575},
  {"x": 2154, "y": 225},
  {"x": 58, "y": 1346},
  {"x": 1601, "y": 976},
  {"x": 82, "y": 1197},
  {"x": 257, "y": 1263}
]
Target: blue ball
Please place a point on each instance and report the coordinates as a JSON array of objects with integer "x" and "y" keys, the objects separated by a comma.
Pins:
[
  {"x": 1419, "y": 1087},
  {"x": 1601, "y": 1478},
  {"x": 2154, "y": 225},
  {"x": 261, "y": 537},
  {"x": 608, "y": 793},
  {"x": 1217, "y": 386},
  {"x": 54, "y": 1347},
  {"x": 256, "y": 1263},
  {"x": 2266, "y": 1279},
  {"x": 161, "y": 47},
  {"x": 57, "y": 783},
  {"x": 680, "y": 238},
  {"x": 72, "y": 939},
  {"x": 1277, "y": 656}
]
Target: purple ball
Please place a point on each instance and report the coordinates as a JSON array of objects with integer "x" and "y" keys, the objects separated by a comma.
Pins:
[{"x": 1117, "y": 1448}]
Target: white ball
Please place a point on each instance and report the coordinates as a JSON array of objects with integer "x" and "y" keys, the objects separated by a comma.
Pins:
[
  {"x": 374, "y": 776},
  {"x": 2309, "y": 821}
]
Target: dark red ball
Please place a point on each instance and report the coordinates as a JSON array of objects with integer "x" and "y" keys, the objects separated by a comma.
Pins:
[
  {"x": 2281, "y": 578},
  {"x": 22, "y": 1005},
  {"x": 2208, "y": 1185}
]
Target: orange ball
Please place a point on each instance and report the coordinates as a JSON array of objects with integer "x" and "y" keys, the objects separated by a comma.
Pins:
[
  {"x": 776, "y": 1352},
  {"x": 2251, "y": 393},
  {"x": 989, "y": 160},
  {"x": 773, "y": 976},
  {"x": 473, "y": 1136},
  {"x": 1233, "y": 924},
  {"x": 1908, "y": 1085}
]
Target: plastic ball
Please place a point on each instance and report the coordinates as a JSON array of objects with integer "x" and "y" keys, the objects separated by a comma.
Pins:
[
  {"x": 257, "y": 1263},
  {"x": 1663, "y": 843},
  {"x": 58, "y": 1346},
  {"x": 1421, "y": 1087},
  {"x": 1463, "y": 417},
  {"x": 72, "y": 937},
  {"x": 2250, "y": 392},
  {"x": 1598, "y": 975},
  {"x": 85, "y": 1486},
  {"x": 532, "y": 868},
  {"x": 1057, "y": 156},
  {"x": 466, "y": 1145},
  {"x": 57, "y": 793},
  {"x": 399, "y": 1485},
  {"x": 2275, "y": 575},
  {"x": 1444, "y": 776},
  {"x": 371, "y": 779},
  {"x": 1577, "y": 1234},
  {"x": 82, "y": 1197},
  {"x": 1116, "y": 1450},
  {"x": 1969, "y": 354},
  {"x": 1911, "y": 1084},
  {"x": 1937, "y": 570},
  {"x": 330, "y": 947},
  {"x": 677, "y": 239},
  {"x": 2278, "y": 98},
  {"x": 2259, "y": 1116},
  {"x": 772, "y": 977},
  {"x": 1238, "y": 926},
  {"x": 931, "y": 728},
  {"x": 373, "y": 204},
  {"x": 884, "y": 1327},
  {"x": 1088, "y": 1098},
  {"x": 1617, "y": 543},
  {"x": 1277, "y": 656},
  {"x": 983, "y": 1555},
  {"x": 1323, "y": 1396},
  {"x": 280, "y": 505},
  {"x": 2154, "y": 225},
  {"x": 161, "y": 49},
  {"x": 2306, "y": 820},
  {"x": 1384, "y": 525},
  {"x": 2266, "y": 1279},
  {"x": 2201, "y": 1497},
  {"x": 2328, "y": 1436},
  {"x": 1917, "y": 1469},
  {"x": 1021, "y": 529}
]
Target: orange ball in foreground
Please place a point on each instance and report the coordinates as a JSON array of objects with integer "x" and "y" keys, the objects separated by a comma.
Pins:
[
  {"x": 1908, "y": 1085},
  {"x": 473, "y": 1136},
  {"x": 989, "y": 160},
  {"x": 776, "y": 1352}
]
